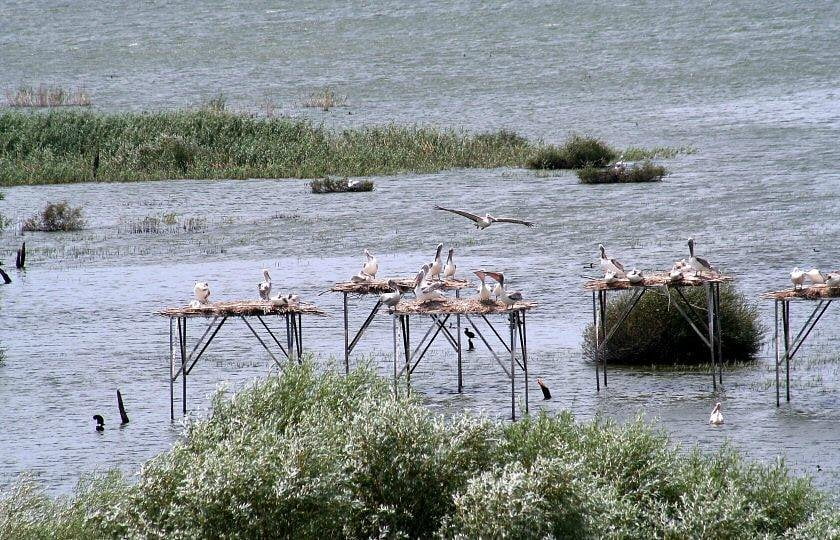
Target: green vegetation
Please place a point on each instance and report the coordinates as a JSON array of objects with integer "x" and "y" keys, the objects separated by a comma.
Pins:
[
  {"x": 324, "y": 99},
  {"x": 304, "y": 455},
  {"x": 77, "y": 146},
  {"x": 634, "y": 153},
  {"x": 56, "y": 217},
  {"x": 577, "y": 152},
  {"x": 655, "y": 333},
  {"x": 47, "y": 96},
  {"x": 340, "y": 185},
  {"x": 646, "y": 172}
]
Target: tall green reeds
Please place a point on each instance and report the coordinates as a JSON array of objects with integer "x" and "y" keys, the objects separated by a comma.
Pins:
[{"x": 304, "y": 455}]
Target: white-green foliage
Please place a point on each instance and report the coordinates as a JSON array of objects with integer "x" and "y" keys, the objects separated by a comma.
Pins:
[{"x": 308, "y": 455}]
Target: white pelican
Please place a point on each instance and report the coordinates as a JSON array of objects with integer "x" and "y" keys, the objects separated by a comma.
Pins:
[
  {"x": 832, "y": 279},
  {"x": 361, "y": 277},
  {"x": 815, "y": 276},
  {"x": 437, "y": 265},
  {"x": 202, "y": 292},
  {"x": 610, "y": 278},
  {"x": 371, "y": 266},
  {"x": 508, "y": 298},
  {"x": 425, "y": 291},
  {"x": 483, "y": 291},
  {"x": 265, "y": 285},
  {"x": 610, "y": 265},
  {"x": 716, "y": 418},
  {"x": 487, "y": 220},
  {"x": 676, "y": 274},
  {"x": 699, "y": 264},
  {"x": 797, "y": 277},
  {"x": 285, "y": 300},
  {"x": 449, "y": 269},
  {"x": 635, "y": 276},
  {"x": 391, "y": 299}
]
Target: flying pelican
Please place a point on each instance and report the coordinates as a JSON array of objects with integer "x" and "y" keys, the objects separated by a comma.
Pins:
[
  {"x": 391, "y": 299},
  {"x": 797, "y": 277},
  {"x": 716, "y": 418},
  {"x": 483, "y": 291},
  {"x": 699, "y": 264},
  {"x": 437, "y": 266},
  {"x": 508, "y": 298},
  {"x": 265, "y": 285},
  {"x": 449, "y": 269},
  {"x": 487, "y": 220},
  {"x": 635, "y": 276},
  {"x": 202, "y": 292},
  {"x": 815, "y": 276},
  {"x": 610, "y": 265},
  {"x": 371, "y": 266},
  {"x": 425, "y": 291},
  {"x": 833, "y": 279}
]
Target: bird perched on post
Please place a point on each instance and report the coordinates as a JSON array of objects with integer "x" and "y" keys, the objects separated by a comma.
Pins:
[
  {"x": 508, "y": 298},
  {"x": 470, "y": 336},
  {"x": 264, "y": 286},
  {"x": 815, "y": 276},
  {"x": 797, "y": 276},
  {"x": 610, "y": 265},
  {"x": 487, "y": 220},
  {"x": 483, "y": 290},
  {"x": 699, "y": 264},
  {"x": 201, "y": 290},
  {"x": 391, "y": 299},
  {"x": 371, "y": 266},
  {"x": 546, "y": 392},
  {"x": 449, "y": 269},
  {"x": 832, "y": 279},
  {"x": 437, "y": 265},
  {"x": 425, "y": 291}
]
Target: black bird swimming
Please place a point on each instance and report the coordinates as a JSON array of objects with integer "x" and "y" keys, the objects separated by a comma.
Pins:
[
  {"x": 470, "y": 335},
  {"x": 546, "y": 392},
  {"x": 100, "y": 422}
]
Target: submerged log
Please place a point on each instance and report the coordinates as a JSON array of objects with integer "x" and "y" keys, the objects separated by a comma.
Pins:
[
  {"x": 20, "y": 260},
  {"x": 123, "y": 415},
  {"x": 5, "y": 276}
]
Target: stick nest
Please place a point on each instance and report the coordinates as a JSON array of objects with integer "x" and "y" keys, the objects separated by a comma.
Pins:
[
  {"x": 241, "y": 308},
  {"x": 657, "y": 279},
  {"x": 814, "y": 292},
  {"x": 459, "y": 306},
  {"x": 379, "y": 286}
]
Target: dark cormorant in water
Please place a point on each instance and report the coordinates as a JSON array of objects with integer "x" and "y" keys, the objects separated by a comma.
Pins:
[
  {"x": 100, "y": 422},
  {"x": 470, "y": 335}
]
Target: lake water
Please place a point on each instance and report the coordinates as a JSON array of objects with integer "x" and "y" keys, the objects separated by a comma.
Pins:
[{"x": 753, "y": 87}]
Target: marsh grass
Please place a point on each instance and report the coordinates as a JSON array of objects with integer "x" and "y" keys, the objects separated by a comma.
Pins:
[
  {"x": 635, "y": 153},
  {"x": 61, "y": 146},
  {"x": 655, "y": 333},
  {"x": 578, "y": 151},
  {"x": 47, "y": 96},
  {"x": 646, "y": 172},
  {"x": 305, "y": 455},
  {"x": 324, "y": 99},
  {"x": 55, "y": 217},
  {"x": 340, "y": 185},
  {"x": 168, "y": 223}
]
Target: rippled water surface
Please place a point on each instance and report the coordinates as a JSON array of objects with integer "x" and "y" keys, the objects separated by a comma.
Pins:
[{"x": 753, "y": 87}]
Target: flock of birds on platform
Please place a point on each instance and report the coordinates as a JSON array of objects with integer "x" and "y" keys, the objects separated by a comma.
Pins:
[
  {"x": 694, "y": 266},
  {"x": 798, "y": 277},
  {"x": 201, "y": 291}
]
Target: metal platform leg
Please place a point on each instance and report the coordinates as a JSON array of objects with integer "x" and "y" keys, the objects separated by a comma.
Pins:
[
  {"x": 171, "y": 370},
  {"x": 710, "y": 306},
  {"x": 776, "y": 344},
  {"x": 603, "y": 302},
  {"x": 460, "y": 355},
  {"x": 182, "y": 330},
  {"x": 512, "y": 324},
  {"x": 346, "y": 339},
  {"x": 786, "y": 332},
  {"x": 597, "y": 332}
]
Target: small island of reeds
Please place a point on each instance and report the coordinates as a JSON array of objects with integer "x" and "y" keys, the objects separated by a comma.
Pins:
[
  {"x": 340, "y": 185},
  {"x": 621, "y": 173}
]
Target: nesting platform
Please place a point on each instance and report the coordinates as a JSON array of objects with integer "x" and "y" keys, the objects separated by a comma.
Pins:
[
  {"x": 473, "y": 311},
  {"x": 219, "y": 313},
  {"x": 821, "y": 297},
  {"x": 707, "y": 330},
  {"x": 376, "y": 287}
]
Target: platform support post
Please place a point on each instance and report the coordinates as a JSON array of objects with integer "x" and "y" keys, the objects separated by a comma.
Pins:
[
  {"x": 171, "y": 370},
  {"x": 512, "y": 324},
  {"x": 182, "y": 327},
  {"x": 346, "y": 338},
  {"x": 394, "y": 330},
  {"x": 719, "y": 334},
  {"x": 460, "y": 357},
  {"x": 786, "y": 332},
  {"x": 597, "y": 332},
  {"x": 603, "y": 302},
  {"x": 710, "y": 307}
]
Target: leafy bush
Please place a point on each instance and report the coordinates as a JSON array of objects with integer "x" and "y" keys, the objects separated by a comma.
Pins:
[
  {"x": 646, "y": 172},
  {"x": 56, "y": 217},
  {"x": 577, "y": 152},
  {"x": 340, "y": 185},
  {"x": 655, "y": 333},
  {"x": 308, "y": 455}
]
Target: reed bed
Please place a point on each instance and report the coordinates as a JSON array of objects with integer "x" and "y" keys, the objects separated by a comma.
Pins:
[
  {"x": 47, "y": 96},
  {"x": 324, "y": 99},
  {"x": 646, "y": 172},
  {"x": 340, "y": 185},
  {"x": 77, "y": 146},
  {"x": 312, "y": 454}
]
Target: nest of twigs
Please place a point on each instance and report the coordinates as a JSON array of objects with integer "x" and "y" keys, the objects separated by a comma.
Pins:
[
  {"x": 657, "y": 279},
  {"x": 240, "y": 308},
  {"x": 814, "y": 292},
  {"x": 459, "y": 306},
  {"x": 379, "y": 286}
]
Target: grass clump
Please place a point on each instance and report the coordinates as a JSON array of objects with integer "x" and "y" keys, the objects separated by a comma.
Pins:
[
  {"x": 324, "y": 99},
  {"x": 340, "y": 185},
  {"x": 635, "y": 153},
  {"x": 646, "y": 172},
  {"x": 54, "y": 217},
  {"x": 656, "y": 334},
  {"x": 577, "y": 152},
  {"x": 47, "y": 96},
  {"x": 82, "y": 146},
  {"x": 304, "y": 455}
]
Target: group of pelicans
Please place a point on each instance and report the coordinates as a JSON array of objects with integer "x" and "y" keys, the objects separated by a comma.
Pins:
[
  {"x": 693, "y": 266},
  {"x": 797, "y": 276},
  {"x": 201, "y": 290}
]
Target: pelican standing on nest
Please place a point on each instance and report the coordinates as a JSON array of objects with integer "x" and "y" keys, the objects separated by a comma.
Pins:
[
  {"x": 716, "y": 418},
  {"x": 371, "y": 266},
  {"x": 699, "y": 264},
  {"x": 635, "y": 276},
  {"x": 437, "y": 265},
  {"x": 487, "y": 220},
  {"x": 507, "y": 298},
  {"x": 449, "y": 269},
  {"x": 610, "y": 265},
  {"x": 483, "y": 290},
  {"x": 832, "y": 279},
  {"x": 391, "y": 299},
  {"x": 797, "y": 277},
  {"x": 265, "y": 285},
  {"x": 815, "y": 276},
  {"x": 425, "y": 291},
  {"x": 201, "y": 290}
]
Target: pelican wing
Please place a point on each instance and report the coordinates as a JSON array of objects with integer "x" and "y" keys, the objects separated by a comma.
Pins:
[
  {"x": 514, "y": 220},
  {"x": 515, "y": 296},
  {"x": 433, "y": 287},
  {"x": 703, "y": 262},
  {"x": 460, "y": 213},
  {"x": 617, "y": 264},
  {"x": 498, "y": 276}
]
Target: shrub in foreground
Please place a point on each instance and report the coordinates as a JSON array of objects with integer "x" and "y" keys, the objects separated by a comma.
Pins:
[
  {"x": 646, "y": 172},
  {"x": 304, "y": 455},
  {"x": 656, "y": 334},
  {"x": 56, "y": 217}
]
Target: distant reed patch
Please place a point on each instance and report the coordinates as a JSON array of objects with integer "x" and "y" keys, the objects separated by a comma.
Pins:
[
  {"x": 47, "y": 96},
  {"x": 619, "y": 174},
  {"x": 54, "y": 217},
  {"x": 577, "y": 152},
  {"x": 324, "y": 99},
  {"x": 635, "y": 153},
  {"x": 340, "y": 185},
  {"x": 168, "y": 223}
]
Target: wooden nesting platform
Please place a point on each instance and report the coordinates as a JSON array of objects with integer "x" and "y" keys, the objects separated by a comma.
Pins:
[
  {"x": 658, "y": 279},
  {"x": 459, "y": 306},
  {"x": 241, "y": 308},
  {"x": 379, "y": 286},
  {"x": 814, "y": 292}
]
